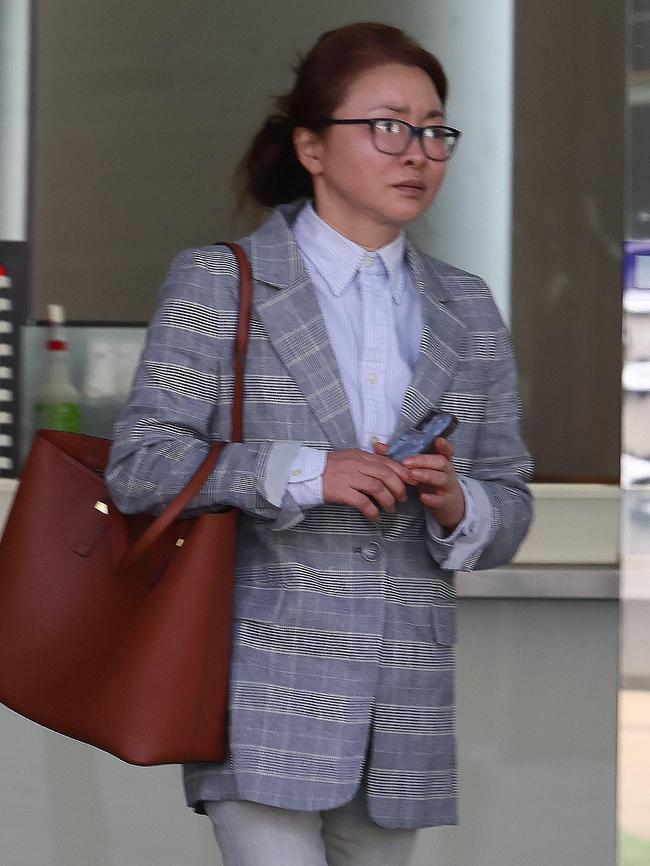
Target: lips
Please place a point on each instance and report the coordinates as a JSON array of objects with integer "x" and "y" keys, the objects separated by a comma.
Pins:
[{"x": 415, "y": 185}]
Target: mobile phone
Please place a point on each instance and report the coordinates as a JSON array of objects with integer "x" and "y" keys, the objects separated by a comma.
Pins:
[{"x": 419, "y": 438}]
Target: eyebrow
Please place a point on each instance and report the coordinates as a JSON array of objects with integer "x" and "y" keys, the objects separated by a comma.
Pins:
[{"x": 402, "y": 109}]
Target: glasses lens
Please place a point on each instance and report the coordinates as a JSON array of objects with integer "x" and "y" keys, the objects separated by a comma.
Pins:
[
  {"x": 438, "y": 142},
  {"x": 391, "y": 136}
]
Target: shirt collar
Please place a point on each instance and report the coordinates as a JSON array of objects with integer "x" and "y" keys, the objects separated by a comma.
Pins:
[{"x": 338, "y": 259}]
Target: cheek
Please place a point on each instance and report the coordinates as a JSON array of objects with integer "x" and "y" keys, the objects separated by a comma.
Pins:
[
  {"x": 347, "y": 168},
  {"x": 435, "y": 182},
  {"x": 365, "y": 175}
]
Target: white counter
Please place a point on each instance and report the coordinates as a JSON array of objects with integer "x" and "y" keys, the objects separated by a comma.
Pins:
[
  {"x": 573, "y": 524},
  {"x": 7, "y": 489}
]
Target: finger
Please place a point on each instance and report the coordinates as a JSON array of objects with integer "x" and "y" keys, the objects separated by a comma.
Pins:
[
  {"x": 443, "y": 446},
  {"x": 370, "y": 474},
  {"x": 386, "y": 467},
  {"x": 380, "y": 447},
  {"x": 431, "y": 478},
  {"x": 427, "y": 461},
  {"x": 363, "y": 504},
  {"x": 378, "y": 490},
  {"x": 432, "y": 500},
  {"x": 389, "y": 479},
  {"x": 399, "y": 469}
]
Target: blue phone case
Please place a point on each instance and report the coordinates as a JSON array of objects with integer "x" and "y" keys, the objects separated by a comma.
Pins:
[{"x": 419, "y": 438}]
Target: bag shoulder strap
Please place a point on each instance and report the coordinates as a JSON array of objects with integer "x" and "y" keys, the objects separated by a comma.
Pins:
[{"x": 183, "y": 499}]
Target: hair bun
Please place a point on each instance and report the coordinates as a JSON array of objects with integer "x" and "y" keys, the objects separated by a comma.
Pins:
[{"x": 270, "y": 170}]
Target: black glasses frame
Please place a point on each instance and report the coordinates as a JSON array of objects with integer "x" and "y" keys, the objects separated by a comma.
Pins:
[{"x": 448, "y": 132}]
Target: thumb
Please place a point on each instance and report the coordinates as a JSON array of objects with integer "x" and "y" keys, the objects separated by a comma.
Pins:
[
  {"x": 380, "y": 447},
  {"x": 444, "y": 447}
]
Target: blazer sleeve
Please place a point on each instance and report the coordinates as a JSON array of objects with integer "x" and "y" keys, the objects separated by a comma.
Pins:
[
  {"x": 181, "y": 401},
  {"x": 501, "y": 466}
]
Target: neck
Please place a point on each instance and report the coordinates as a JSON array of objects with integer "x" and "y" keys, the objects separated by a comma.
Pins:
[{"x": 366, "y": 233}]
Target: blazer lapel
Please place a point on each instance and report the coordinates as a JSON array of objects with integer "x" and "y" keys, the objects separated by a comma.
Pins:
[
  {"x": 294, "y": 322},
  {"x": 442, "y": 337}
]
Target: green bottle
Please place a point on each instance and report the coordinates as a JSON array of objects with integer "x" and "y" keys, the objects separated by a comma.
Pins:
[{"x": 58, "y": 404}]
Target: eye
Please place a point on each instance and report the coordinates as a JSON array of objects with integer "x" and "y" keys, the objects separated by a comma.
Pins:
[
  {"x": 389, "y": 127},
  {"x": 433, "y": 132}
]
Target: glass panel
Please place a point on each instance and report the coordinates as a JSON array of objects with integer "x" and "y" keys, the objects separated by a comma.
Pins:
[{"x": 634, "y": 699}]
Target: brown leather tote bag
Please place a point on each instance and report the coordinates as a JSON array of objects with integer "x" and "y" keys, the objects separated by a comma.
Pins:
[{"x": 116, "y": 629}]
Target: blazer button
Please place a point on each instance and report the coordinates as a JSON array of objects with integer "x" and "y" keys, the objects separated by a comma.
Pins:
[{"x": 371, "y": 551}]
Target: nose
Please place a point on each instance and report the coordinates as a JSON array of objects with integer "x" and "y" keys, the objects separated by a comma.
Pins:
[{"x": 414, "y": 154}]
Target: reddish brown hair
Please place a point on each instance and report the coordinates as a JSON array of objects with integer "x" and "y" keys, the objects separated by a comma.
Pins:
[{"x": 270, "y": 172}]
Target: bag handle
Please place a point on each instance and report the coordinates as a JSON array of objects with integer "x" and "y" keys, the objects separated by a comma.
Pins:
[{"x": 183, "y": 499}]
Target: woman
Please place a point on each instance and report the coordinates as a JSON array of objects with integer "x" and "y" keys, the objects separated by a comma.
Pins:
[{"x": 341, "y": 705}]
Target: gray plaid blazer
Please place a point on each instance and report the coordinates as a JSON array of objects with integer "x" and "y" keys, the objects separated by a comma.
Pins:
[{"x": 343, "y": 658}]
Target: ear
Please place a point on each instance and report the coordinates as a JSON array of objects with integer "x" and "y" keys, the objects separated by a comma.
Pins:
[{"x": 309, "y": 147}]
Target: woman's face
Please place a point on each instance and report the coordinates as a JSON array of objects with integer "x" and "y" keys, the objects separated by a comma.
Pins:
[{"x": 367, "y": 195}]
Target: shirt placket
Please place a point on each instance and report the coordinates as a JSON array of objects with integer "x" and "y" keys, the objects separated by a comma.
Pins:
[{"x": 376, "y": 348}]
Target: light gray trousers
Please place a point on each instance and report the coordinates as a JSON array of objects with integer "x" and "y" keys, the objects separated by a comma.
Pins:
[{"x": 250, "y": 834}]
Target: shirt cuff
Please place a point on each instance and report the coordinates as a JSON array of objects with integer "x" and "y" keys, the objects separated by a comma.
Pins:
[
  {"x": 305, "y": 483},
  {"x": 465, "y": 544},
  {"x": 278, "y": 466},
  {"x": 466, "y": 525}
]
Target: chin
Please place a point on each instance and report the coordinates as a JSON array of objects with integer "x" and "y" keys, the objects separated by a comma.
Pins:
[{"x": 404, "y": 215}]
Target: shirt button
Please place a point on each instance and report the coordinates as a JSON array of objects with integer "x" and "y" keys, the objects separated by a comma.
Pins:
[
  {"x": 372, "y": 378},
  {"x": 371, "y": 551},
  {"x": 368, "y": 260},
  {"x": 297, "y": 473}
]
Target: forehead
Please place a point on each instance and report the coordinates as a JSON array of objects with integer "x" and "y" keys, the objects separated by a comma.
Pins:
[{"x": 392, "y": 84}]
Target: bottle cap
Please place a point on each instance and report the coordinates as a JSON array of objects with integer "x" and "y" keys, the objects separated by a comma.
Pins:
[
  {"x": 55, "y": 314},
  {"x": 56, "y": 320}
]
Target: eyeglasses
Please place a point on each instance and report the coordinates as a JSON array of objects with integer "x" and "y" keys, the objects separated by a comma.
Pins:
[{"x": 394, "y": 136}]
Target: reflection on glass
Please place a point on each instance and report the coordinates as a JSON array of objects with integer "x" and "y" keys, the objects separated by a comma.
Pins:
[{"x": 634, "y": 702}]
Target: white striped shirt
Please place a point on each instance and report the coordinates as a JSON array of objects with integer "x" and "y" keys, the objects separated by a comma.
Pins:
[{"x": 373, "y": 316}]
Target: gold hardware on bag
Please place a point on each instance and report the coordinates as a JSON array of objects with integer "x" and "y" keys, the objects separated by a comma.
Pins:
[
  {"x": 180, "y": 542},
  {"x": 101, "y": 506}
]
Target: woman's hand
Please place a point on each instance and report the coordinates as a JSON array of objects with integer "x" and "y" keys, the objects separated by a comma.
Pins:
[
  {"x": 438, "y": 485},
  {"x": 365, "y": 481}
]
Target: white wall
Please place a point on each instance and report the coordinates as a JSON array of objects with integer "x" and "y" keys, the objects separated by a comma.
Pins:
[
  {"x": 14, "y": 117},
  {"x": 470, "y": 223}
]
